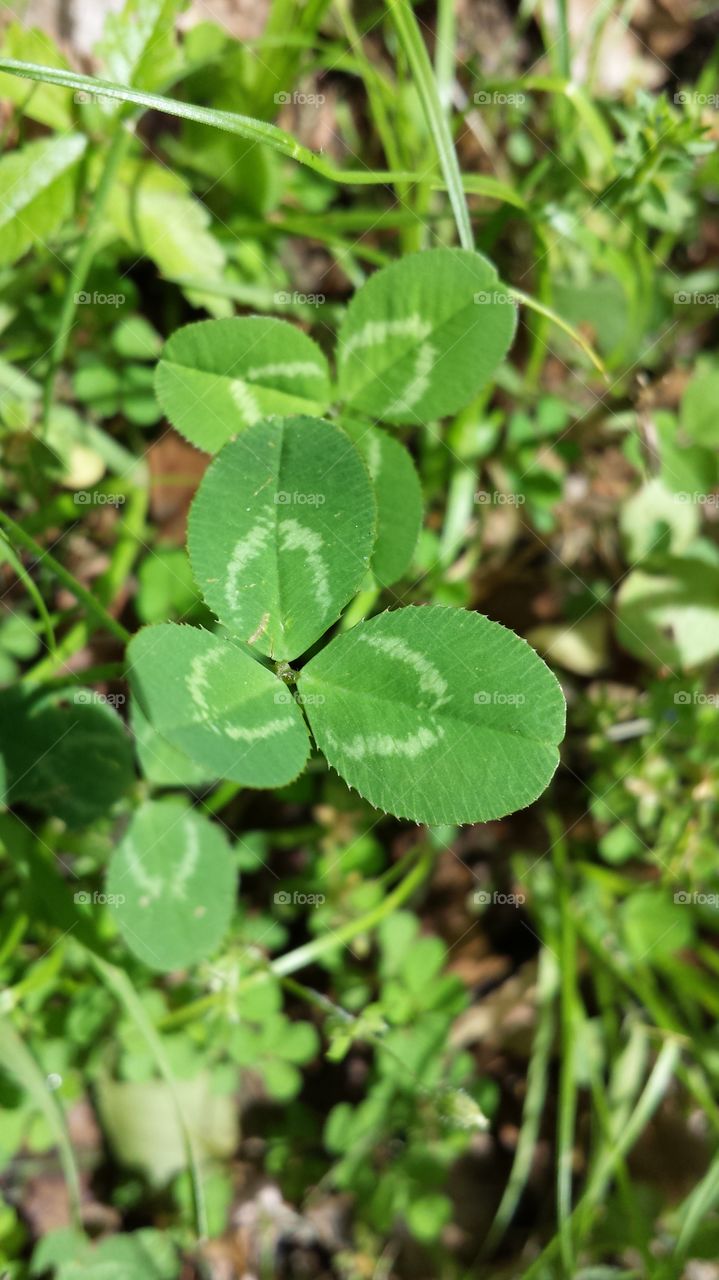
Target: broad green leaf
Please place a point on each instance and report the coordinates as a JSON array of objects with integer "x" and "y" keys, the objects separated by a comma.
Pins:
[
  {"x": 421, "y": 337},
  {"x": 656, "y": 924},
  {"x": 427, "y": 1214},
  {"x": 146, "y": 1254},
  {"x": 436, "y": 714},
  {"x": 161, "y": 763},
  {"x": 581, "y": 647},
  {"x": 398, "y": 495},
  {"x": 166, "y": 590},
  {"x": 136, "y": 339},
  {"x": 689, "y": 470},
  {"x": 218, "y": 376},
  {"x": 44, "y": 103},
  {"x": 226, "y": 712},
  {"x": 656, "y": 520},
  {"x": 107, "y": 391},
  {"x": 699, "y": 414},
  {"x": 140, "y": 1120},
  {"x": 281, "y": 532},
  {"x": 671, "y": 617},
  {"x": 116, "y": 1258},
  {"x": 171, "y": 885},
  {"x": 138, "y": 44},
  {"x": 601, "y": 306},
  {"x": 158, "y": 216},
  {"x": 36, "y": 192},
  {"x": 65, "y": 753}
]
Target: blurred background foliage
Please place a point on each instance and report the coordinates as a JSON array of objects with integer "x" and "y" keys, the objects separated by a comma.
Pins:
[{"x": 514, "y": 1074}]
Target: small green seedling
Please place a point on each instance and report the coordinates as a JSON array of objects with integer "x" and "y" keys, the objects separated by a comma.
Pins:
[{"x": 431, "y": 713}]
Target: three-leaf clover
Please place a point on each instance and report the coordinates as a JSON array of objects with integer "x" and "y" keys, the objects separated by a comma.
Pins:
[{"x": 430, "y": 713}]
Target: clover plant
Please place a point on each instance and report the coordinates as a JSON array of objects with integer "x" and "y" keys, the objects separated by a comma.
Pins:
[{"x": 431, "y": 713}]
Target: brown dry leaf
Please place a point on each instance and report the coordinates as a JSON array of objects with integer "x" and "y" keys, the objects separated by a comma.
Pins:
[
  {"x": 504, "y": 1018},
  {"x": 45, "y": 1204},
  {"x": 243, "y": 19},
  {"x": 176, "y": 470},
  {"x": 624, "y": 62}
]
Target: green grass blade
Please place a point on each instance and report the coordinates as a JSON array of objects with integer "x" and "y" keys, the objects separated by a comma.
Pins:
[
  {"x": 229, "y": 121},
  {"x": 18, "y": 567},
  {"x": 290, "y": 29},
  {"x": 76, "y": 282},
  {"x": 444, "y": 53},
  {"x": 571, "y": 1018},
  {"x": 694, "y": 1209},
  {"x": 18, "y": 535},
  {"x": 654, "y": 1090},
  {"x": 18, "y": 1060},
  {"x": 483, "y": 184},
  {"x": 119, "y": 983},
  {"x": 537, "y": 1076},
  {"x": 416, "y": 53},
  {"x": 562, "y": 324}
]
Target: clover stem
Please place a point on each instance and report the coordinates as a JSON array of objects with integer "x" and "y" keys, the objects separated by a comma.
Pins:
[
  {"x": 311, "y": 951},
  {"x": 285, "y": 672},
  {"x": 19, "y": 537},
  {"x": 78, "y": 275}
]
